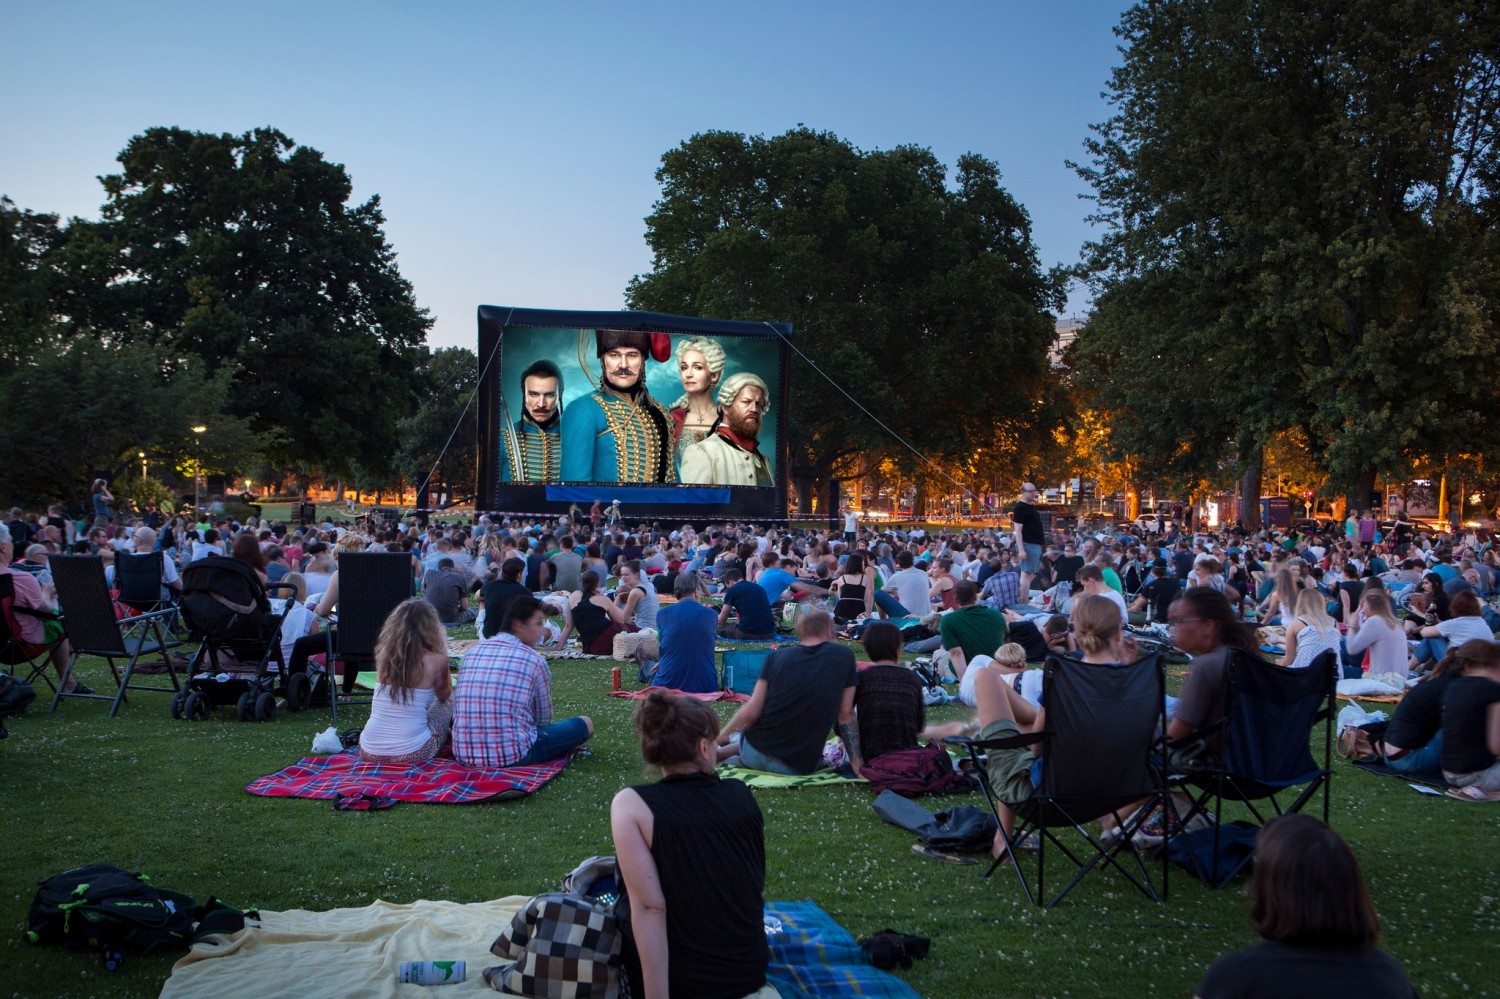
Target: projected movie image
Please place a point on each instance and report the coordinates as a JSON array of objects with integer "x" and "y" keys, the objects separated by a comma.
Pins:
[{"x": 629, "y": 406}]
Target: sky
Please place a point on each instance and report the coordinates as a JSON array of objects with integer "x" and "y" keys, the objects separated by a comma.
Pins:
[{"x": 514, "y": 146}]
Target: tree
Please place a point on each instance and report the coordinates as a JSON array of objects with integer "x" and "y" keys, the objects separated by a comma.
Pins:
[
  {"x": 30, "y": 245},
  {"x": 444, "y": 430},
  {"x": 926, "y": 302},
  {"x": 1300, "y": 207},
  {"x": 91, "y": 407},
  {"x": 242, "y": 250}
]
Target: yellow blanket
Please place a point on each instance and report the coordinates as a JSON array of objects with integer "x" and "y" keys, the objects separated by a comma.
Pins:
[{"x": 345, "y": 952}]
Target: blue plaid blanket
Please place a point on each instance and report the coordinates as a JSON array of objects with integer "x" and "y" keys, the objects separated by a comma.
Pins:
[{"x": 814, "y": 957}]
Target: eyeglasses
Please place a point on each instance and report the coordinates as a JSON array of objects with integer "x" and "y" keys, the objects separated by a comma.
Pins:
[{"x": 1175, "y": 622}]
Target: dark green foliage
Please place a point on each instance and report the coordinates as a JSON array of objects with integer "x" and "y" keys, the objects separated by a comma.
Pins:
[
  {"x": 1299, "y": 205},
  {"x": 446, "y": 387},
  {"x": 925, "y": 301}
]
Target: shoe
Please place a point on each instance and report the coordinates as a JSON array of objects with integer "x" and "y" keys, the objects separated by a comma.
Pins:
[{"x": 80, "y": 689}]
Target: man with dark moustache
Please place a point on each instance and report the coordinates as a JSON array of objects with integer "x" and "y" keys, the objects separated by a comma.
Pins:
[
  {"x": 730, "y": 454},
  {"x": 619, "y": 433},
  {"x": 533, "y": 453}
]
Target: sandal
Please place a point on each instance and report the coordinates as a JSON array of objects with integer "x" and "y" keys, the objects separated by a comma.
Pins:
[{"x": 362, "y": 803}]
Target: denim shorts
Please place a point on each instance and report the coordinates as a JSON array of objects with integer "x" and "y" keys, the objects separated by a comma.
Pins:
[
  {"x": 756, "y": 760},
  {"x": 1033, "y": 560}
]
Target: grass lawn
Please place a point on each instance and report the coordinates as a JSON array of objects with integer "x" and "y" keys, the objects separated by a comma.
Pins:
[{"x": 147, "y": 793}]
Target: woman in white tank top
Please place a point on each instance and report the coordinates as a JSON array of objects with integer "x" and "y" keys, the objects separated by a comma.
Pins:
[{"x": 412, "y": 711}]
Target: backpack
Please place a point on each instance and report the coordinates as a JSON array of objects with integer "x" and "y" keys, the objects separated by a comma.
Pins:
[
  {"x": 102, "y": 906},
  {"x": 910, "y": 772}
]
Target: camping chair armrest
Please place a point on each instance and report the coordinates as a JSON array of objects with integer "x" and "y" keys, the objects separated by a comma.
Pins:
[
  {"x": 270, "y": 587},
  {"x": 45, "y": 615},
  {"x": 1016, "y": 741},
  {"x": 149, "y": 616},
  {"x": 1197, "y": 735}
]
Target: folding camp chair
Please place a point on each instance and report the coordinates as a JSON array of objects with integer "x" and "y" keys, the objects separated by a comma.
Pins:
[
  {"x": 12, "y": 651},
  {"x": 138, "y": 580},
  {"x": 371, "y": 585},
  {"x": 94, "y": 630},
  {"x": 1266, "y": 735},
  {"x": 1102, "y": 725}
]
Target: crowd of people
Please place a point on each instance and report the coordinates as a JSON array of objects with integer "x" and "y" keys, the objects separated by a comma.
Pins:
[{"x": 986, "y": 603}]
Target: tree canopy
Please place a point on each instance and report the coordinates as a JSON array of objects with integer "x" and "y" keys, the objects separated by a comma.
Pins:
[
  {"x": 243, "y": 250},
  {"x": 1299, "y": 205},
  {"x": 924, "y": 300}
]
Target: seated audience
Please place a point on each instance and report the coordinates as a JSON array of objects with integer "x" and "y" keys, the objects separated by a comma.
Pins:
[
  {"x": 1413, "y": 740},
  {"x": 502, "y": 707},
  {"x": 496, "y": 594},
  {"x": 35, "y": 632},
  {"x": 1311, "y": 633},
  {"x": 687, "y": 641},
  {"x": 754, "y": 621},
  {"x": 804, "y": 691},
  {"x": 1317, "y": 926},
  {"x": 412, "y": 710},
  {"x": 1038, "y": 642},
  {"x": 1471, "y": 719},
  {"x": 908, "y": 587},
  {"x": 687, "y": 934},
  {"x": 1159, "y": 593},
  {"x": 1465, "y": 623},
  {"x": 971, "y": 630},
  {"x": 637, "y": 597},
  {"x": 888, "y": 700},
  {"x": 447, "y": 590},
  {"x": 564, "y": 567},
  {"x": 595, "y": 617},
  {"x": 1374, "y": 631},
  {"x": 1206, "y": 627}
]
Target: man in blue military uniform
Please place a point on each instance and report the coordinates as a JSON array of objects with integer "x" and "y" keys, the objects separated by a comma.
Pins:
[
  {"x": 618, "y": 433},
  {"x": 533, "y": 451}
]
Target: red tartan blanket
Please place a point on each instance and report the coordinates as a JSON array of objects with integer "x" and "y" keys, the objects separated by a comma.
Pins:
[
  {"x": 441, "y": 781},
  {"x": 712, "y": 695}
]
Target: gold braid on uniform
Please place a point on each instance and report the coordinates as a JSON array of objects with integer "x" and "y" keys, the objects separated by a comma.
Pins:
[{"x": 642, "y": 442}]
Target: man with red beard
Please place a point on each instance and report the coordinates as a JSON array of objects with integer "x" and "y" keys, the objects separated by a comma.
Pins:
[
  {"x": 730, "y": 454},
  {"x": 619, "y": 433},
  {"x": 533, "y": 452}
]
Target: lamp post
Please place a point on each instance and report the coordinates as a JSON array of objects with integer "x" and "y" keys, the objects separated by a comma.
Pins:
[
  {"x": 142, "y": 455},
  {"x": 197, "y": 469}
]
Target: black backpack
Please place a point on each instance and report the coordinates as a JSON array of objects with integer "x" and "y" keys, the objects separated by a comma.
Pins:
[{"x": 103, "y": 907}]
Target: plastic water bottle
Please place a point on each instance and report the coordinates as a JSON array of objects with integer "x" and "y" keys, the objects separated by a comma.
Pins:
[{"x": 114, "y": 957}]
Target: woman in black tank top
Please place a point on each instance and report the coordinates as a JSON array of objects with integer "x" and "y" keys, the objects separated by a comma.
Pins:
[{"x": 688, "y": 934}]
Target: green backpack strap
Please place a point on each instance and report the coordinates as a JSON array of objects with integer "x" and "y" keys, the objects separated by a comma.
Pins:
[{"x": 216, "y": 917}]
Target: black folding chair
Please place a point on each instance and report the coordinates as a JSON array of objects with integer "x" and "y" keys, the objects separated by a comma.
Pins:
[
  {"x": 1266, "y": 737},
  {"x": 12, "y": 651},
  {"x": 371, "y": 585},
  {"x": 94, "y": 630},
  {"x": 1099, "y": 753}
]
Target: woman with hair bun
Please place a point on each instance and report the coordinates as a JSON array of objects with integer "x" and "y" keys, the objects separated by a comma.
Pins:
[
  {"x": 700, "y": 365},
  {"x": 1317, "y": 926},
  {"x": 691, "y": 850}
]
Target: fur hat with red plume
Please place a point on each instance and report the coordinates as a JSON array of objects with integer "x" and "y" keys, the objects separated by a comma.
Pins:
[{"x": 657, "y": 346}]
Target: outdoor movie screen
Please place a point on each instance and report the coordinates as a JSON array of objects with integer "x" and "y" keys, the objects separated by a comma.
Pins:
[{"x": 690, "y": 411}]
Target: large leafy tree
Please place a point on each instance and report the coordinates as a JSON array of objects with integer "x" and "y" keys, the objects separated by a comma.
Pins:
[
  {"x": 31, "y": 247},
  {"x": 244, "y": 251},
  {"x": 923, "y": 299},
  {"x": 443, "y": 430},
  {"x": 1299, "y": 203}
]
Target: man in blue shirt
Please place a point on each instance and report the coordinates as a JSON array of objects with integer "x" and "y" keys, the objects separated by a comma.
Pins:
[
  {"x": 776, "y": 581},
  {"x": 752, "y": 605},
  {"x": 687, "y": 641}
]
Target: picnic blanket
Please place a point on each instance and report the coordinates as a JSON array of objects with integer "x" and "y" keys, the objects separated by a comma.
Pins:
[
  {"x": 554, "y": 653},
  {"x": 759, "y": 778},
  {"x": 357, "y": 951},
  {"x": 712, "y": 695},
  {"x": 440, "y": 781},
  {"x": 1380, "y": 769}
]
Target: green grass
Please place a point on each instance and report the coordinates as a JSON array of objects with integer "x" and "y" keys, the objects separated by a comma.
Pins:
[{"x": 147, "y": 793}]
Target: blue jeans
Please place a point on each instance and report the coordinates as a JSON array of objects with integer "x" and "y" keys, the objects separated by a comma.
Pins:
[
  {"x": 756, "y": 760},
  {"x": 924, "y": 645},
  {"x": 890, "y": 605},
  {"x": 1426, "y": 760},
  {"x": 558, "y": 739},
  {"x": 1430, "y": 650}
]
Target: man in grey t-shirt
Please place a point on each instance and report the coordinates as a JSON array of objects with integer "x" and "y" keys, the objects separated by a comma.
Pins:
[
  {"x": 448, "y": 592},
  {"x": 564, "y": 567}
]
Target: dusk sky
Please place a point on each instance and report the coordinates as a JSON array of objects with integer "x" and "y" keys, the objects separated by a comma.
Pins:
[{"x": 514, "y": 146}]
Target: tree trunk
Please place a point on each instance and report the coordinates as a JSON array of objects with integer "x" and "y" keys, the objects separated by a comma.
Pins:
[
  {"x": 919, "y": 502},
  {"x": 1250, "y": 486},
  {"x": 1357, "y": 499}
]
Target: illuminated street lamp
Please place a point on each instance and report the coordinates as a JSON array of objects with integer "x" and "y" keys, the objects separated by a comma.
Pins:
[
  {"x": 142, "y": 455},
  {"x": 197, "y": 469}
]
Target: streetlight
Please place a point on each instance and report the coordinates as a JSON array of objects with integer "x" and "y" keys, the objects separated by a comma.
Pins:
[
  {"x": 142, "y": 455},
  {"x": 197, "y": 469}
]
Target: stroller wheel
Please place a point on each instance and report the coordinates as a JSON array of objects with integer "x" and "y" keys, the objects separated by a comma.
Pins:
[
  {"x": 265, "y": 707},
  {"x": 244, "y": 708},
  {"x": 298, "y": 693},
  {"x": 179, "y": 700},
  {"x": 197, "y": 707}
]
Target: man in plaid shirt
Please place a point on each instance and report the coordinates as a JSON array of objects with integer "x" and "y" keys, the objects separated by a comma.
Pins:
[
  {"x": 502, "y": 704},
  {"x": 1003, "y": 589}
]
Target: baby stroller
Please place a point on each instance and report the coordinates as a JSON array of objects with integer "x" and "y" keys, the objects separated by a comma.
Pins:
[{"x": 225, "y": 603}]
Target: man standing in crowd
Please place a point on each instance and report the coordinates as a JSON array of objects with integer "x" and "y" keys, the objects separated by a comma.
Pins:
[{"x": 1027, "y": 524}]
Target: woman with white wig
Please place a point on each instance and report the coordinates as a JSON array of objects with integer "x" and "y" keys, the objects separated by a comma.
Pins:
[{"x": 700, "y": 365}]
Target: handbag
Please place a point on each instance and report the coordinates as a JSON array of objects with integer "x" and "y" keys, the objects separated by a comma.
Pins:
[
  {"x": 1361, "y": 743},
  {"x": 559, "y": 946}
]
